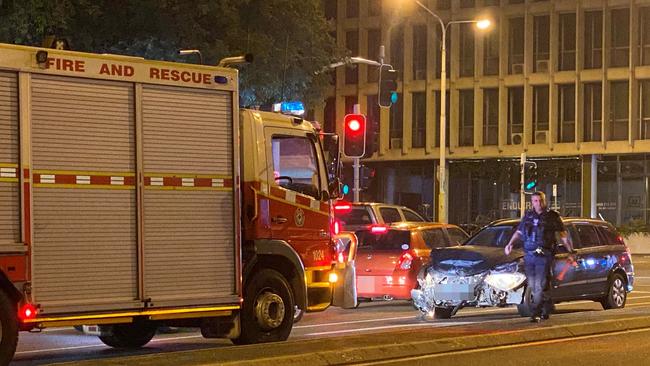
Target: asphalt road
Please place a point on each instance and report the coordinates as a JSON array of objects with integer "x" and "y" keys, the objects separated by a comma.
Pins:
[{"x": 66, "y": 344}]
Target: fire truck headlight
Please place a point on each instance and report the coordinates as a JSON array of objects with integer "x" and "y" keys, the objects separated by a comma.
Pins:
[{"x": 333, "y": 277}]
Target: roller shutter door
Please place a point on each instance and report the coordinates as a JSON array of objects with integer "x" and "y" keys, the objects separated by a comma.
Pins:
[
  {"x": 84, "y": 249},
  {"x": 9, "y": 185},
  {"x": 188, "y": 231}
]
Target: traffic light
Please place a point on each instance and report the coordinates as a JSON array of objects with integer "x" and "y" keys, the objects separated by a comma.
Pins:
[
  {"x": 530, "y": 177},
  {"x": 372, "y": 137},
  {"x": 366, "y": 175},
  {"x": 387, "y": 86},
  {"x": 354, "y": 143}
]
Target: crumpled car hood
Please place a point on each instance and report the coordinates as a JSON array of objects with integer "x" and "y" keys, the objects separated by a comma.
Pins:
[{"x": 470, "y": 260}]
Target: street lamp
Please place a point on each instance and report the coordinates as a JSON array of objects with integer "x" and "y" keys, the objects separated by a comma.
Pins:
[{"x": 442, "y": 174}]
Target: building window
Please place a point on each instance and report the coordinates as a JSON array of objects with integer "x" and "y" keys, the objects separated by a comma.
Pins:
[
  {"x": 466, "y": 49},
  {"x": 329, "y": 9},
  {"x": 329, "y": 115},
  {"x": 567, "y": 113},
  {"x": 490, "y": 116},
  {"x": 515, "y": 113},
  {"x": 466, "y": 3},
  {"x": 516, "y": 49},
  {"x": 352, "y": 8},
  {"x": 397, "y": 49},
  {"x": 593, "y": 39},
  {"x": 541, "y": 43},
  {"x": 419, "y": 52},
  {"x": 374, "y": 7},
  {"x": 644, "y": 113},
  {"x": 618, "y": 120},
  {"x": 437, "y": 97},
  {"x": 466, "y": 133},
  {"x": 352, "y": 44},
  {"x": 620, "y": 51},
  {"x": 491, "y": 53},
  {"x": 419, "y": 119},
  {"x": 592, "y": 112},
  {"x": 350, "y": 101},
  {"x": 567, "y": 54},
  {"x": 540, "y": 114},
  {"x": 374, "y": 42},
  {"x": 444, "y": 5},
  {"x": 644, "y": 36},
  {"x": 396, "y": 125}
]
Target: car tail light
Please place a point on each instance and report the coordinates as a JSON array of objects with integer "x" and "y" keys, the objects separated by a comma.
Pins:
[
  {"x": 405, "y": 261},
  {"x": 342, "y": 207},
  {"x": 379, "y": 229}
]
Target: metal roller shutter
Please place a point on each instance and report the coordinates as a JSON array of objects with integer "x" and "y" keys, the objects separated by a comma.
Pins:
[
  {"x": 84, "y": 248},
  {"x": 188, "y": 231},
  {"x": 9, "y": 184}
]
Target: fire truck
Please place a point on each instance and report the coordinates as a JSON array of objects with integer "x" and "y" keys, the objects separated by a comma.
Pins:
[{"x": 136, "y": 193}]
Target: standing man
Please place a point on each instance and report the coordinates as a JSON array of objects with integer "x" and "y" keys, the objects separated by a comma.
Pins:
[{"x": 537, "y": 230}]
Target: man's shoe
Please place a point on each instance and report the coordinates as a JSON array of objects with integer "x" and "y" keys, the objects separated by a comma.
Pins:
[
  {"x": 545, "y": 316},
  {"x": 535, "y": 319}
]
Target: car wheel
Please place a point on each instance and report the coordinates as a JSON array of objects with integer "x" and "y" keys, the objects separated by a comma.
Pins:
[
  {"x": 616, "y": 293},
  {"x": 268, "y": 310},
  {"x": 8, "y": 329},
  {"x": 442, "y": 313},
  {"x": 134, "y": 335}
]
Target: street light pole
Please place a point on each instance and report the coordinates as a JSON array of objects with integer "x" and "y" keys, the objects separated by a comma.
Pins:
[{"x": 442, "y": 170}]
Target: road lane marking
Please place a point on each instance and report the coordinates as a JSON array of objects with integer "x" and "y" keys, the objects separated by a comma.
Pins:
[
  {"x": 431, "y": 324},
  {"x": 504, "y": 347}
]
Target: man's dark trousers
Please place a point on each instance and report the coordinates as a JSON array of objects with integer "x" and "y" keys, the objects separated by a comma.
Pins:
[{"x": 537, "y": 269}]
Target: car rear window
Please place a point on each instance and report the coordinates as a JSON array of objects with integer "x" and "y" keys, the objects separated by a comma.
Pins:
[
  {"x": 608, "y": 236},
  {"x": 493, "y": 236},
  {"x": 390, "y": 215},
  {"x": 390, "y": 240},
  {"x": 356, "y": 216}
]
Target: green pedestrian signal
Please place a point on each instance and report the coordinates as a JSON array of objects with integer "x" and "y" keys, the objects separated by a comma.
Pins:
[
  {"x": 345, "y": 189},
  {"x": 530, "y": 177}
]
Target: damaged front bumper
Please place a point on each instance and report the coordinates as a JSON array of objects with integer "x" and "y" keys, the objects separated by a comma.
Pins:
[{"x": 455, "y": 290}]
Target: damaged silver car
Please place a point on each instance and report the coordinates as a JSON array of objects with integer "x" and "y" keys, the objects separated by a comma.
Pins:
[{"x": 479, "y": 274}]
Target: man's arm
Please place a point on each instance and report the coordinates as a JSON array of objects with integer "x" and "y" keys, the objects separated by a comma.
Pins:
[
  {"x": 516, "y": 236},
  {"x": 566, "y": 240}
]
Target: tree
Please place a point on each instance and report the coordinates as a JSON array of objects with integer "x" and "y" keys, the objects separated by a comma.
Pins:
[{"x": 289, "y": 39}]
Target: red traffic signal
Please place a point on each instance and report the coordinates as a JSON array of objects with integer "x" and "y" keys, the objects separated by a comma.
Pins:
[{"x": 354, "y": 142}]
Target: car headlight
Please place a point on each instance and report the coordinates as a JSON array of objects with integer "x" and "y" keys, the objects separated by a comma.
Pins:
[{"x": 505, "y": 281}]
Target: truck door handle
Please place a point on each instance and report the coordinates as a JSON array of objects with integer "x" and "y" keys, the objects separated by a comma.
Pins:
[{"x": 279, "y": 220}]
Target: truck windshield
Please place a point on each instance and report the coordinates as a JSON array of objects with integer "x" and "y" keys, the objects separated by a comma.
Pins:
[{"x": 493, "y": 236}]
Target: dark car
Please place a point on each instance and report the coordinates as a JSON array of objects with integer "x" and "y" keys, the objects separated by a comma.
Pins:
[
  {"x": 389, "y": 258},
  {"x": 479, "y": 274}
]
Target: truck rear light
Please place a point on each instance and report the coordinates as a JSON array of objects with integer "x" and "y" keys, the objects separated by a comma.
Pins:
[
  {"x": 336, "y": 227},
  {"x": 27, "y": 311},
  {"x": 379, "y": 229},
  {"x": 405, "y": 261}
]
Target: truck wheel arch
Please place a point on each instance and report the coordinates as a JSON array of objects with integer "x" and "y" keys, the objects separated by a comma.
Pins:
[
  {"x": 279, "y": 255},
  {"x": 8, "y": 287}
]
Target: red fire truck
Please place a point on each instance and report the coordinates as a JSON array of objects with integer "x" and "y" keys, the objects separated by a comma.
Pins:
[{"x": 136, "y": 193}]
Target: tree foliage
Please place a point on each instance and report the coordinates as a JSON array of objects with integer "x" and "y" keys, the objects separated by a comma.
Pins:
[{"x": 289, "y": 39}]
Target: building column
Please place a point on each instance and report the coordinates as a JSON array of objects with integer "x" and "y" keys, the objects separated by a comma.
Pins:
[{"x": 589, "y": 183}]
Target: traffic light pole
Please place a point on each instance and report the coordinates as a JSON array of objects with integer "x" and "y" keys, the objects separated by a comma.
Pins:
[{"x": 356, "y": 166}]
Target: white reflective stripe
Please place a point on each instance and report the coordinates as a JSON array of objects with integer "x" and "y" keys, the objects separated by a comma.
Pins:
[
  {"x": 83, "y": 179},
  {"x": 290, "y": 196},
  {"x": 217, "y": 182},
  {"x": 117, "y": 180},
  {"x": 315, "y": 205},
  {"x": 8, "y": 172},
  {"x": 47, "y": 178},
  {"x": 156, "y": 181},
  {"x": 188, "y": 182},
  {"x": 264, "y": 188}
]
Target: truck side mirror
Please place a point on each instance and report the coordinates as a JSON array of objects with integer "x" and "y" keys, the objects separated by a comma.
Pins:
[{"x": 334, "y": 189}]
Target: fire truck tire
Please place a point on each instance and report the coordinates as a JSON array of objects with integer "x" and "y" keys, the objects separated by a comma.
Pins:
[
  {"x": 267, "y": 313},
  {"x": 9, "y": 331},
  {"x": 298, "y": 314},
  {"x": 134, "y": 335}
]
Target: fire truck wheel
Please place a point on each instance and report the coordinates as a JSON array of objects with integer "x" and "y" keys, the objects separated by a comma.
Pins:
[
  {"x": 134, "y": 335},
  {"x": 8, "y": 329},
  {"x": 268, "y": 310},
  {"x": 298, "y": 314}
]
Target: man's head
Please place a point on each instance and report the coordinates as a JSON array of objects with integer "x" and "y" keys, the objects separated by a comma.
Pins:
[{"x": 538, "y": 199}]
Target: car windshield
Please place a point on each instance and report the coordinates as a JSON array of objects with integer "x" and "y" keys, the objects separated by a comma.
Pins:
[
  {"x": 389, "y": 240},
  {"x": 356, "y": 216},
  {"x": 493, "y": 236}
]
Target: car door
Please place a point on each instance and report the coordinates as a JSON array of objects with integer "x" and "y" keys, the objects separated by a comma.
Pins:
[
  {"x": 564, "y": 271},
  {"x": 587, "y": 265},
  {"x": 607, "y": 256}
]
